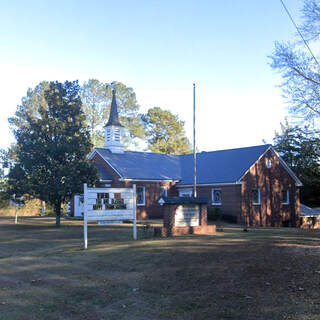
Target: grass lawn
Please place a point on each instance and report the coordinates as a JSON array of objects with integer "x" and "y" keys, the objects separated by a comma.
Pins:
[{"x": 262, "y": 274}]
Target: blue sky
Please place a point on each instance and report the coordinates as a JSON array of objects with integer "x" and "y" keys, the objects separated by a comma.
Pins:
[{"x": 159, "y": 48}]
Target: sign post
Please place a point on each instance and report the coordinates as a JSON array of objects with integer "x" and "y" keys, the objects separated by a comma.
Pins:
[
  {"x": 134, "y": 213},
  {"x": 17, "y": 202},
  {"x": 85, "y": 217},
  {"x": 109, "y": 206}
]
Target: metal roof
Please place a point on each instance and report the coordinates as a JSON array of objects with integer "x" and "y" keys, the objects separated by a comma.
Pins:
[
  {"x": 309, "y": 212},
  {"x": 103, "y": 173},
  {"x": 143, "y": 165},
  {"x": 224, "y": 166}
]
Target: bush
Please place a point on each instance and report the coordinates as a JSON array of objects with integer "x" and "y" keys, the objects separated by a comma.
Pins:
[
  {"x": 214, "y": 214},
  {"x": 4, "y": 200}
]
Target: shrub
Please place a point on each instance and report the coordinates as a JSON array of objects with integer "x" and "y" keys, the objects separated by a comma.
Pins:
[{"x": 214, "y": 213}]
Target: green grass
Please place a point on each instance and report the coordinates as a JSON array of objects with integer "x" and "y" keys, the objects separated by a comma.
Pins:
[{"x": 261, "y": 274}]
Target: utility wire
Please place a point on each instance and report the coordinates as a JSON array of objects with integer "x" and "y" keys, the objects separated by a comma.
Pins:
[{"x": 305, "y": 42}]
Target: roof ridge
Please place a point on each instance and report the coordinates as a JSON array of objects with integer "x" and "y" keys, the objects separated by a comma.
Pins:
[
  {"x": 239, "y": 148},
  {"x": 145, "y": 152},
  {"x": 188, "y": 154}
]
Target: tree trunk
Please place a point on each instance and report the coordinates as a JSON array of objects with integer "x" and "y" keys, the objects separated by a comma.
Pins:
[{"x": 57, "y": 209}]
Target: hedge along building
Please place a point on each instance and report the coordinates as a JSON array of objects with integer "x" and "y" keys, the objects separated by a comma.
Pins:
[{"x": 251, "y": 185}]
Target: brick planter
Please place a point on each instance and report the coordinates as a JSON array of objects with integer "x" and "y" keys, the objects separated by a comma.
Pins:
[{"x": 170, "y": 208}]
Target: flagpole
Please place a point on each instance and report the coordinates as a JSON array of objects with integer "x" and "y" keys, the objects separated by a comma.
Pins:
[{"x": 194, "y": 144}]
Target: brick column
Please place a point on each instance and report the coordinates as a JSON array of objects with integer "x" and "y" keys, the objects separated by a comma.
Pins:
[
  {"x": 168, "y": 218},
  {"x": 203, "y": 219}
]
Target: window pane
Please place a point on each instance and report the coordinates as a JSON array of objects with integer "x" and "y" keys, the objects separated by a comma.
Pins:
[
  {"x": 140, "y": 195},
  {"x": 216, "y": 196},
  {"x": 285, "y": 196},
  {"x": 185, "y": 193},
  {"x": 163, "y": 191},
  {"x": 256, "y": 196}
]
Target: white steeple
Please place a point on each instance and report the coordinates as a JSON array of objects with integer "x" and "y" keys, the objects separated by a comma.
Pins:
[{"x": 113, "y": 129}]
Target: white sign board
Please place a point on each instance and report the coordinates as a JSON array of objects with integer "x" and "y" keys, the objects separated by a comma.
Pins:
[
  {"x": 187, "y": 215},
  {"x": 109, "y": 206}
]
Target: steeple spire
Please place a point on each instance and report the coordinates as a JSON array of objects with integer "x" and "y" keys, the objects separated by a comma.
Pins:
[
  {"x": 113, "y": 128},
  {"x": 114, "y": 116}
]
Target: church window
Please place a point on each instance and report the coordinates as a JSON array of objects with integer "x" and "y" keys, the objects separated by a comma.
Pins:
[
  {"x": 185, "y": 193},
  {"x": 285, "y": 196},
  {"x": 163, "y": 191},
  {"x": 216, "y": 197},
  {"x": 256, "y": 196},
  {"x": 141, "y": 196},
  {"x": 268, "y": 163}
]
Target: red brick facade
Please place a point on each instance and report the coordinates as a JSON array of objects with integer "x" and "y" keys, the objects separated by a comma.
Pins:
[
  {"x": 271, "y": 182},
  {"x": 310, "y": 222},
  {"x": 237, "y": 203}
]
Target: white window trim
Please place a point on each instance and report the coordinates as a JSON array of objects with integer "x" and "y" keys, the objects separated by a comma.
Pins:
[
  {"x": 144, "y": 196},
  {"x": 188, "y": 191},
  {"x": 212, "y": 197},
  {"x": 259, "y": 198},
  {"x": 288, "y": 197},
  {"x": 165, "y": 190},
  {"x": 269, "y": 163}
]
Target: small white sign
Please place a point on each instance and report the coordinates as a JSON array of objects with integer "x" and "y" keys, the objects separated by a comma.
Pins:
[{"x": 187, "y": 215}]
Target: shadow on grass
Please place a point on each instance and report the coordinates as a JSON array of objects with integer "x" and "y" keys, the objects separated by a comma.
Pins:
[{"x": 232, "y": 275}]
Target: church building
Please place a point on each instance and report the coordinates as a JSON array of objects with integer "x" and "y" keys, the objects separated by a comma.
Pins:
[{"x": 251, "y": 185}]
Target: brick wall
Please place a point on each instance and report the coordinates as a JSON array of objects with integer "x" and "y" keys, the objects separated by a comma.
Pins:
[
  {"x": 230, "y": 199},
  {"x": 310, "y": 222},
  {"x": 271, "y": 182},
  {"x": 230, "y": 203}
]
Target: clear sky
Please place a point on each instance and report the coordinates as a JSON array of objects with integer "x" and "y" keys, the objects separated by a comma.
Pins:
[{"x": 159, "y": 48}]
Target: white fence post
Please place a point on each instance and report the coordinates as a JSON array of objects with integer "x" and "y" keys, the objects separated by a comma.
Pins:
[
  {"x": 85, "y": 216},
  {"x": 134, "y": 212}
]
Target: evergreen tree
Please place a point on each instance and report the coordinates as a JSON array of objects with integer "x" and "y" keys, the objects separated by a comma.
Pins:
[
  {"x": 300, "y": 149},
  {"x": 165, "y": 132},
  {"x": 96, "y": 98},
  {"x": 52, "y": 145}
]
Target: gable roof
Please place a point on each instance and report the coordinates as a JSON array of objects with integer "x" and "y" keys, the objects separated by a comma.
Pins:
[
  {"x": 215, "y": 167},
  {"x": 223, "y": 166},
  {"x": 142, "y": 165},
  {"x": 103, "y": 173}
]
